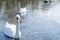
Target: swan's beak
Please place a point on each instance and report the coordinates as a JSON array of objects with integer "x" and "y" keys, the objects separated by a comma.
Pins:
[{"x": 18, "y": 18}]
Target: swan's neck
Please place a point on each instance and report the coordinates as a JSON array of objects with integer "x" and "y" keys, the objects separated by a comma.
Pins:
[
  {"x": 17, "y": 27},
  {"x": 17, "y": 34},
  {"x": 17, "y": 30}
]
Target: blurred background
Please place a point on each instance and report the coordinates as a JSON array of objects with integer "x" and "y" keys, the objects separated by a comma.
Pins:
[
  {"x": 12, "y": 5},
  {"x": 41, "y": 22}
]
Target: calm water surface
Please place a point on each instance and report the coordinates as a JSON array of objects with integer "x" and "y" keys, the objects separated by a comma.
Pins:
[{"x": 41, "y": 22}]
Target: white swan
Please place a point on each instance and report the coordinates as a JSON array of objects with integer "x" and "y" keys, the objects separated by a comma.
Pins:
[
  {"x": 21, "y": 11},
  {"x": 12, "y": 30}
]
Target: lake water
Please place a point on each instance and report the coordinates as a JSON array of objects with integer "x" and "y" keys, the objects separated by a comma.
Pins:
[{"x": 41, "y": 22}]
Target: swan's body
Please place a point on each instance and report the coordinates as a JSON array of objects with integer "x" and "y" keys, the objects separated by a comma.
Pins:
[
  {"x": 23, "y": 11},
  {"x": 12, "y": 30},
  {"x": 9, "y": 29}
]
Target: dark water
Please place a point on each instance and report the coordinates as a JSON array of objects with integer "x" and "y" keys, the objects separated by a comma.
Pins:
[{"x": 41, "y": 22}]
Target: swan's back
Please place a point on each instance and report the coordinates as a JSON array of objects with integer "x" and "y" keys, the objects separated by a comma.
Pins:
[
  {"x": 23, "y": 11},
  {"x": 10, "y": 29}
]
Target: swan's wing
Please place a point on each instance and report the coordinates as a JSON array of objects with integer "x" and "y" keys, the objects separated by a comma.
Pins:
[{"x": 10, "y": 30}]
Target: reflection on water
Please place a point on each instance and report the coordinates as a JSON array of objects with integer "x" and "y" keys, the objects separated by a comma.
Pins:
[
  {"x": 29, "y": 4},
  {"x": 2, "y": 12},
  {"x": 41, "y": 22}
]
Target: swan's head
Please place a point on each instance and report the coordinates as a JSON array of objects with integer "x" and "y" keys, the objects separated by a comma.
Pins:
[{"x": 18, "y": 18}]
